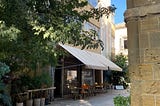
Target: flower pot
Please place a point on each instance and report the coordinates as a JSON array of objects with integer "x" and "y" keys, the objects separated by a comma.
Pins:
[
  {"x": 29, "y": 102},
  {"x": 42, "y": 101},
  {"x": 46, "y": 101},
  {"x": 37, "y": 102},
  {"x": 19, "y": 104}
]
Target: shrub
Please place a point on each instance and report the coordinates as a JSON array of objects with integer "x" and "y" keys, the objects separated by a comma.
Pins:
[
  {"x": 4, "y": 94},
  {"x": 122, "y": 101},
  {"x": 42, "y": 81}
]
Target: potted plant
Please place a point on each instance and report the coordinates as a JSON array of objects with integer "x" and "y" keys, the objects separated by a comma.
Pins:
[
  {"x": 26, "y": 84},
  {"x": 29, "y": 102},
  {"x": 46, "y": 82},
  {"x": 41, "y": 82},
  {"x": 36, "y": 85},
  {"x": 20, "y": 86},
  {"x": 17, "y": 92},
  {"x": 43, "y": 98},
  {"x": 37, "y": 101},
  {"x": 19, "y": 99}
]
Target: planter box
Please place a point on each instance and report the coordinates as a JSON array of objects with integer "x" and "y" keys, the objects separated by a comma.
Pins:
[
  {"x": 42, "y": 102},
  {"x": 37, "y": 102},
  {"x": 19, "y": 104},
  {"x": 29, "y": 102}
]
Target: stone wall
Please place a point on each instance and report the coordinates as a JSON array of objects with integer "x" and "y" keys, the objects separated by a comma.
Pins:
[
  {"x": 139, "y": 3},
  {"x": 143, "y": 23}
]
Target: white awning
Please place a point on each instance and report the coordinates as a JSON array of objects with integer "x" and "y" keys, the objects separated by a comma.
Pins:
[{"x": 91, "y": 60}]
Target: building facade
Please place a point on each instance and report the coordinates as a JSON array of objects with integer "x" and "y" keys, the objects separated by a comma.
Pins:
[
  {"x": 72, "y": 70},
  {"x": 121, "y": 45},
  {"x": 107, "y": 28}
]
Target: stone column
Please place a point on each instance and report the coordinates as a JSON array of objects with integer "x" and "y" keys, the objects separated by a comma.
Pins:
[{"x": 143, "y": 23}]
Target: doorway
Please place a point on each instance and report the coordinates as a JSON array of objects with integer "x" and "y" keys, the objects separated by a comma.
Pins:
[{"x": 58, "y": 82}]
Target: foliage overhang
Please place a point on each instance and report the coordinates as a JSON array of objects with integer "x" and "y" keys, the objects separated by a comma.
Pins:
[{"x": 31, "y": 29}]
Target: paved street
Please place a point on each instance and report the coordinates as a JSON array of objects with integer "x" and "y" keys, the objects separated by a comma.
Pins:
[{"x": 105, "y": 99}]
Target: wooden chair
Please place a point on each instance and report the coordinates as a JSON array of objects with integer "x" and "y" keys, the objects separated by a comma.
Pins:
[
  {"x": 85, "y": 90},
  {"x": 75, "y": 93}
]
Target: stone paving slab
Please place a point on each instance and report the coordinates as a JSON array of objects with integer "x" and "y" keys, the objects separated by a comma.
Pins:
[{"x": 105, "y": 99}]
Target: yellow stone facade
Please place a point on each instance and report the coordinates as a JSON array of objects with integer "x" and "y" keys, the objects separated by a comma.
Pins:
[{"x": 143, "y": 23}]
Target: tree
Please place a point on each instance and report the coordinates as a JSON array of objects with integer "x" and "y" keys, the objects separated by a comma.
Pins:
[
  {"x": 121, "y": 77},
  {"x": 121, "y": 60},
  {"x": 39, "y": 25}
]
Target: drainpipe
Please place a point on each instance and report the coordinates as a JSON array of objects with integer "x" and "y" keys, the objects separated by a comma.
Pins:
[
  {"x": 52, "y": 73},
  {"x": 62, "y": 78}
]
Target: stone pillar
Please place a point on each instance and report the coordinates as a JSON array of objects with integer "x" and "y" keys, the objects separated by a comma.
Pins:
[{"x": 143, "y": 23}]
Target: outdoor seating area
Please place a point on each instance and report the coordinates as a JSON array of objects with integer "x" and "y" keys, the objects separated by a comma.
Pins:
[{"x": 86, "y": 90}]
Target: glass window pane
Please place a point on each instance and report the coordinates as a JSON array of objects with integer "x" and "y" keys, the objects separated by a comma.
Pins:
[
  {"x": 88, "y": 26},
  {"x": 93, "y": 2}
]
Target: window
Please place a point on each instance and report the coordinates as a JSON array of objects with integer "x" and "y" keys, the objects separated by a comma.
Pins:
[
  {"x": 125, "y": 44},
  {"x": 121, "y": 42},
  {"x": 71, "y": 75},
  {"x": 70, "y": 80},
  {"x": 87, "y": 77},
  {"x": 88, "y": 26},
  {"x": 93, "y": 2}
]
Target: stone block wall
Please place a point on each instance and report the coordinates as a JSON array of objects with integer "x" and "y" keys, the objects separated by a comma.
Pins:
[
  {"x": 143, "y": 24},
  {"x": 138, "y": 3}
]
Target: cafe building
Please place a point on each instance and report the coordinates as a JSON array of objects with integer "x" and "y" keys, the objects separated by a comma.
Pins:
[{"x": 79, "y": 67}]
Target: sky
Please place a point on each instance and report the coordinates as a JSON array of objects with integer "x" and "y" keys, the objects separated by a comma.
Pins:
[{"x": 121, "y": 7}]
